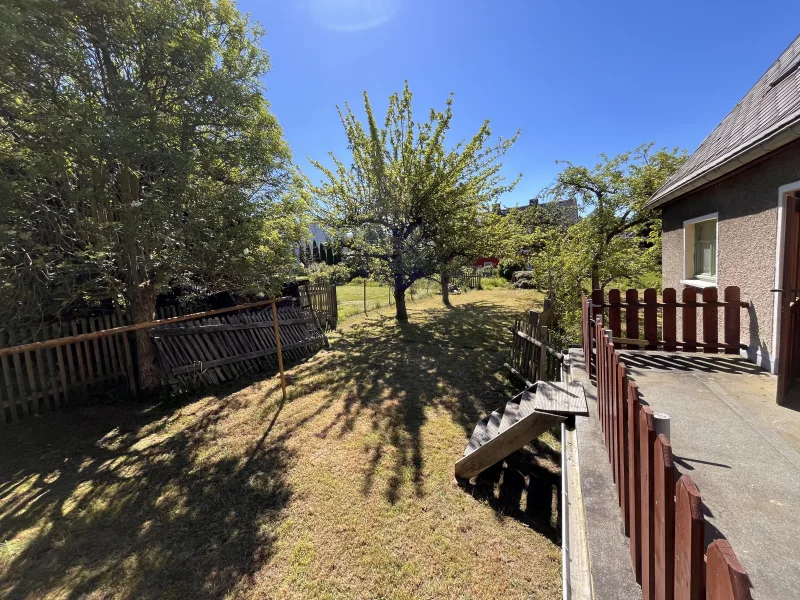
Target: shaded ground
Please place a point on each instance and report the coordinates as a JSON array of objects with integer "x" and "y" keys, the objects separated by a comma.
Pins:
[{"x": 344, "y": 492}]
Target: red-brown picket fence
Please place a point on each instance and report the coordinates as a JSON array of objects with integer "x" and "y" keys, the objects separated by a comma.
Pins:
[
  {"x": 652, "y": 324},
  {"x": 663, "y": 519}
]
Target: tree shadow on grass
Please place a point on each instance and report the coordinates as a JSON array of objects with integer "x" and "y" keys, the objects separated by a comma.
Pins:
[
  {"x": 393, "y": 373},
  {"x": 136, "y": 501}
]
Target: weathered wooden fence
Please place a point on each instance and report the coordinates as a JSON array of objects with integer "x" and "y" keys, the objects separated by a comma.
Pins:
[
  {"x": 467, "y": 282},
  {"x": 321, "y": 295},
  {"x": 45, "y": 373},
  {"x": 96, "y": 355},
  {"x": 663, "y": 519},
  {"x": 218, "y": 349},
  {"x": 533, "y": 357},
  {"x": 652, "y": 324}
]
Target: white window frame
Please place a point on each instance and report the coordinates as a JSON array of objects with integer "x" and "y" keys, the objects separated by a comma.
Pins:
[{"x": 688, "y": 252}]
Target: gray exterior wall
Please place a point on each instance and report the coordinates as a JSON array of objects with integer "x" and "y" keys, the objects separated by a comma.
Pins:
[{"x": 747, "y": 203}]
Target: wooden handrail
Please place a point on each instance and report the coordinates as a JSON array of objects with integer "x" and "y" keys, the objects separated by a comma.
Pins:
[
  {"x": 645, "y": 305},
  {"x": 526, "y": 337},
  {"x": 135, "y": 327}
]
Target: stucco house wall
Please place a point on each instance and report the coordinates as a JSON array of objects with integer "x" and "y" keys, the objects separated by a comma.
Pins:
[{"x": 747, "y": 207}]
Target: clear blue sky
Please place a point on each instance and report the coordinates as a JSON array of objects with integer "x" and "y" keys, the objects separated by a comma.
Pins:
[{"x": 577, "y": 77}]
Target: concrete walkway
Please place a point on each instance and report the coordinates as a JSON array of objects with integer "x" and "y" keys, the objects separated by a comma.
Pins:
[{"x": 740, "y": 448}]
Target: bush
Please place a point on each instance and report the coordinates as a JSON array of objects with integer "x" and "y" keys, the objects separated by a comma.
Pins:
[
  {"x": 336, "y": 274},
  {"x": 370, "y": 282},
  {"x": 508, "y": 266},
  {"x": 490, "y": 283}
]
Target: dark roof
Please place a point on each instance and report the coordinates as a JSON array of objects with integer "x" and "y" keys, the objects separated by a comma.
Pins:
[{"x": 767, "y": 118}]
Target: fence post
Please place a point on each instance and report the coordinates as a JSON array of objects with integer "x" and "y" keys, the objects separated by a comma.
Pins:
[
  {"x": 543, "y": 337},
  {"x": 634, "y": 482},
  {"x": 651, "y": 318},
  {"x": 595, "y": 310},
  {"x": 725, "y": 577},
  {"x": 614, "y": 401},
  {"x": 646, "y": 448},
  {"x": 689, "y": 541},
  {"x": 615, "y": 313},
  {"x": 664, "y": 518}
]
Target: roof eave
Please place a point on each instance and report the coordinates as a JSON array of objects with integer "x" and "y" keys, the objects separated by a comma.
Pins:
[{"x": 788, "y": 133}]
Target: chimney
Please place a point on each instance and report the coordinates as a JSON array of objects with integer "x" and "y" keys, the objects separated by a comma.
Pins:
[{"x": 533, "y": 202}]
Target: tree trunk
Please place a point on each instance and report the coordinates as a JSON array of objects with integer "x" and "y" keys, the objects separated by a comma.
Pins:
[
  {"x": 445, "y": 289},
  {"x": 595, "y": 277},
  {"x": 400, "y": 299},
  {"x": 141, "y": 309}
]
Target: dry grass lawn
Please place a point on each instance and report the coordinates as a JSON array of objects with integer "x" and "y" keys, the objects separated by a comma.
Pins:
[{"x": 346, "y": 491}]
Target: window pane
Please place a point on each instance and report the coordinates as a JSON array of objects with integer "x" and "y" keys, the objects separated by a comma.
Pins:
[{"x": 705, "y": 248}]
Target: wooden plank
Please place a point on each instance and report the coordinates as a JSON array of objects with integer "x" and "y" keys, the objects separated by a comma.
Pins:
[
  {"x": 732, "y": 314},
  {"x": 62, "y": 371},
  {"x": 710, "y": 321},
  {"x": 208, "y": 364},
  {"x": 632, "y": 315},
  {"x": 647, "y": 438},
  {"x": 669, "y": 319},
  {"x": 214, "y": 327},
  {"x": 634, "y": 481},
  {"x": 689, "y": 295},
  {"x": 100, "y": 372},
  {"x": 622, "y": 431},
  {"x": 23, "y": 407},
  {"x": 543, "y": 333},
  {"x": 512, "y": 439},
  {"x": 51, "y": 369},
  {"x": 726, "y": 579},
  {"x": 664, "y": 518},
  {"x": 87, "y": 351},
  {"x": 114, "y": 354},
  {"x": 689, "y": 541},
  {"x": 69, "y": 354},
  {"x": 124, "y": 342},
  {"x": 33, "y": 382},
  {"x": 42, "y": 370},
  {"x": 651, "y": 318},
  {"x": 10, "y": 400},
  {"x": 614, "y": 413},
  {"x": 614, "y": 312},
  {"x": 561, "y": 398},
  {"x": 79, "y": 356}
]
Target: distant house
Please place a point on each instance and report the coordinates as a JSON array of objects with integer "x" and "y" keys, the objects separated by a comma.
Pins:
[
  {"x": 730, "y": 216},
  {"x": 563, "y": 212}
]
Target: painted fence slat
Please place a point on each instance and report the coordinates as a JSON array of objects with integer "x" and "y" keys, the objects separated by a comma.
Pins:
[
  {"x": 634, "y": 482},
  {"x": 732, "y": 313},
  {"x": 669, "y": 319},
  {"x": 632, "y": 317},
  {"x": 689, "y": 541},
  {"x": 651, "y": 318},
  {"x": 622, "y": 445},
  {"x": 710, "y": 321},
  {"x": 725, "y": 576},
  {"x": 647, "y": 437},
  {"x": 615, "y": 312},
  {"x": 689, "y": 297},
  {"x": 664, "y": 518}
]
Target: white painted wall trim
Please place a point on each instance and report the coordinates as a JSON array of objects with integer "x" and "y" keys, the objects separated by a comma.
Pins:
[
  {"x": 779, "y": 251},
  {"x": 689, "y": 223}
]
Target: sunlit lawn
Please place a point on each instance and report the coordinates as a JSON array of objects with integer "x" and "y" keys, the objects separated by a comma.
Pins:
[{"x": 346, "y": 491}]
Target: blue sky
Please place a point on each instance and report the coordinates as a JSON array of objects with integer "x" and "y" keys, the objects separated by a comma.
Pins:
[{"x": 578, "y": 78}]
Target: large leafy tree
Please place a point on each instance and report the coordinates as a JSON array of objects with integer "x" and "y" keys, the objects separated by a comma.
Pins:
[
  {"x": 138, "y": 151},
  {"x": 408, "y": 205},
  {"x": 617, "y": 227}
]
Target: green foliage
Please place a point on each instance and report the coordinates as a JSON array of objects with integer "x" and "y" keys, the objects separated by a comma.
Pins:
[
  {"x": 409, "y": 206},
  {"x": 138, "y": 150},
  {"x": 508, "y": 266},
  {"x": 490, "y": 283},
  {"x": 336, "y": 274}
]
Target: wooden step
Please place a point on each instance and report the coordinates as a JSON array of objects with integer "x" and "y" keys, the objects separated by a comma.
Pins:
[
  {"x": 493, "y": 426},
  {"x": 511, "y": 415},
  {"x": 512, "y": 439},
  {"x": 479, "y": 436}
]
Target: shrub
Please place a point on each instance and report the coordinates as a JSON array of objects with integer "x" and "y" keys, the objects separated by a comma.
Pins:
[
  {"x": 490, "y": 283},
  {"x": 336, "y": 274},
  {"x": 508, "y": 266}
]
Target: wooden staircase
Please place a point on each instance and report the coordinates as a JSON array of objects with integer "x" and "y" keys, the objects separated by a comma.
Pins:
[{"x": 523, "y": 419}]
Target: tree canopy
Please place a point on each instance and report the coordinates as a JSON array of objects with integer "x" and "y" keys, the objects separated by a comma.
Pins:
[
  {"x": 138, "y": 151},
  {"x": 409, "y": 205}
]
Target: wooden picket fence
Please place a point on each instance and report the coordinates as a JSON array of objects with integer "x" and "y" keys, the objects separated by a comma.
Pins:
[
  {"x": 533, "y": 357},
  {"x": 651, "y": 324},
  {"x": 466, "y": 282},
  {"x": 663, "y": 519},
  {"x": 323, "y": 300},
  {"x": 44, "y": 377}
]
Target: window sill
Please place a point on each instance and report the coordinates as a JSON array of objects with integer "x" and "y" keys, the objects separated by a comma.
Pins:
[{"x": 699, "y": 283}]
